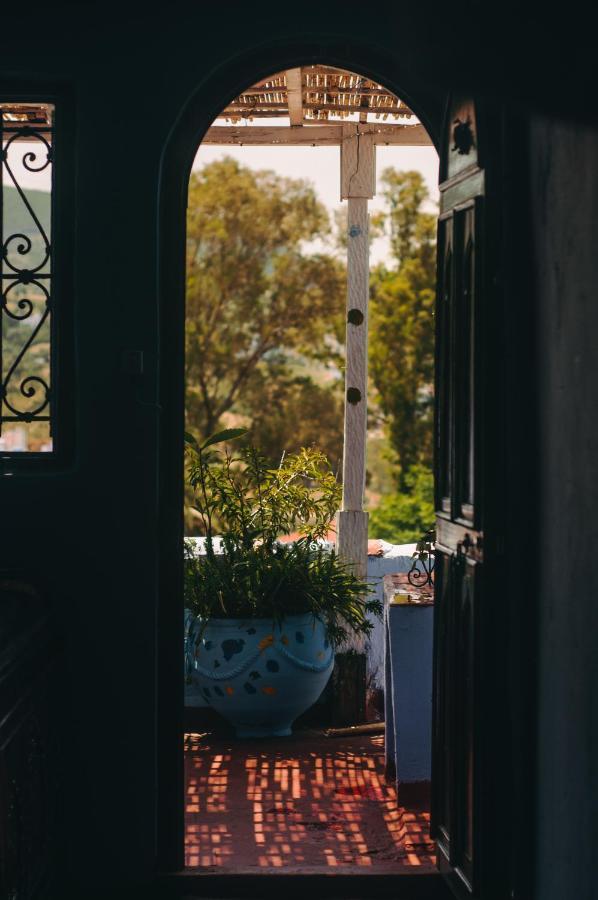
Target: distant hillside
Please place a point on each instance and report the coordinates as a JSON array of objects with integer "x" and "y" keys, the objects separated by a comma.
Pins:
[
  {"x": 16, "y": 216},
  {"x": 17, "y": 220}
]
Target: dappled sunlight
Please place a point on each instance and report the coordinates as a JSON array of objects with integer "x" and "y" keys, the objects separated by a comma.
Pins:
[{"x": 304, "y": 802}]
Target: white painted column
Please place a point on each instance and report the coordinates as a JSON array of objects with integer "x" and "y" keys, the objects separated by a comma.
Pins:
[
  {"x": 358, "y": 179},
  {"x": 352, "y": 521}
]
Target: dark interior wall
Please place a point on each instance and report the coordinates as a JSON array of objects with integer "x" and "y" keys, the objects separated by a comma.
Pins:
[
  {"x": 92, "y": 529},
  {"x": 565, "y": 216}
]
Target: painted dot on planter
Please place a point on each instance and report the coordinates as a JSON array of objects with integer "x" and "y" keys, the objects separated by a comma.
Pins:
[
  {"x": 269, "y": 691},
  {"x": 230, "y": 690},
  {"x": 218, "y": 691},
  {"x": 231, "y": 647},
  {"x": 299, "y": 637},
  {"x": 272, "y": 665},
  {"x": 216, "y": 663},
  {"x": 206, "y": 693},
  {"x": 254, "y": 675},
  {"x": 266, "y": 642},
  {"x": 208, "y": 645},
  {"x": 249, "y": 688},
  {"x": 251, "y": 631}
]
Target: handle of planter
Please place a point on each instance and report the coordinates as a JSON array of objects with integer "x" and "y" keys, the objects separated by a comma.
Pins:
[{"x": 232, "y": 673}]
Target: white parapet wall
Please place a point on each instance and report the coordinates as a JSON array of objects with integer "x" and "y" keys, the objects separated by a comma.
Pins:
[{"x": 390, "y": 559}]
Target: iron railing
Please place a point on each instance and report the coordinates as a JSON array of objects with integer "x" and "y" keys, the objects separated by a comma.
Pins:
[{"x": 421, "y": 573}]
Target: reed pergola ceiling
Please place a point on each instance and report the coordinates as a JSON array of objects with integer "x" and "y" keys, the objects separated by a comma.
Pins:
[
  {"x": 27, "y": 114},
  {"x": 316, "y": 94},
  {"x": 312, "y": 105}
]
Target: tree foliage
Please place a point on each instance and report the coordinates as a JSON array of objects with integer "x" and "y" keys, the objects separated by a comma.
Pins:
[
  {"x": 289, "y": 410},
  {"x": 402, "y": 324},
  {"x": 404, "y": 516},
  {"x": 265, "y": 324},
  {"x": 255, "y": 296}
]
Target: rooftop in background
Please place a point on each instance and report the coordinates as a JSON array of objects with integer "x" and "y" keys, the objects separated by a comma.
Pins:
[{"x": 314, "y": 103}]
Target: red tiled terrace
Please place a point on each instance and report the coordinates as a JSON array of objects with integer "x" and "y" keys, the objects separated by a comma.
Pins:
[{"x": 306, "y": 803}]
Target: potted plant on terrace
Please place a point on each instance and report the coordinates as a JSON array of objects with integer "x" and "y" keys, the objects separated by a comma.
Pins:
[{"x": 267, "y": 615}]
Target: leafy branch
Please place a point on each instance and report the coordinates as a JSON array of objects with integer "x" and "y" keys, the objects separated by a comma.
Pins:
[{"x": 256, "y": 575}]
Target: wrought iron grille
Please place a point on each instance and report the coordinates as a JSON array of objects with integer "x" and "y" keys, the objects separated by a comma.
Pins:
[
  {"x": 26, "y": 151},
  {"x": 421, "y": 573}
]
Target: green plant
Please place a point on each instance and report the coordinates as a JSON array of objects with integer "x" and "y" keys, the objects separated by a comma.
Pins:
[{"x": 253, "y": 575}]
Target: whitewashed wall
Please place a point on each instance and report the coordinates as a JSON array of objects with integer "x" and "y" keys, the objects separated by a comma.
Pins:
[{"x": 396, "y": 558}]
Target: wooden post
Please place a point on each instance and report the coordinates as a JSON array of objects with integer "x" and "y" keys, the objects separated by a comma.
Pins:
[
  {"x": 294, "y": 96},
  {"x": 352, "y": 521},
  {"x": 358, "y": 181},
  {"x": 358, "y": 184}
]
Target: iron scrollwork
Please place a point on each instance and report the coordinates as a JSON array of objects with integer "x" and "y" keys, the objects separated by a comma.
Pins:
[
  {"x": 421, "y": 573},
  {"x": 26, "y": 150},
  {"x": 463, "y": 137}
]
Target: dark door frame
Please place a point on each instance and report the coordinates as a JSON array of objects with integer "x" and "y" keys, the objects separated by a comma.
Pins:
[{"x": 209, "y": 99}]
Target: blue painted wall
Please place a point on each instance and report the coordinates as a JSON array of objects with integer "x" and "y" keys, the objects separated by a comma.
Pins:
[{"x": 408, "y": 693}]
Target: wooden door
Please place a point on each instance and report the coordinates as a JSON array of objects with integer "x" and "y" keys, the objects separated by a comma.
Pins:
[{"x": 457, "y": 793}]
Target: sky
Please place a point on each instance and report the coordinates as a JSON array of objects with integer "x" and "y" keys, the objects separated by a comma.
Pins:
[
  {"x": 25, "y": 178},
  {"x": 321, "y": 166}
]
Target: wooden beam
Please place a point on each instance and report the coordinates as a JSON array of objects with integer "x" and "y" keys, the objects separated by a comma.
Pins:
[
  {"x": 358, "y": 165},
  {"x": 294, "y": 96},
  {"x": 314, "y": 135},
  {"x": 265, "y": 136},
  {"x": 331, "y": 91},
  {"x": 235, "y": 108},
  {"x": 247, "y": 112}
]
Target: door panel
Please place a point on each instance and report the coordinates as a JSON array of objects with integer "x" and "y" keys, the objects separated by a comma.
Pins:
[
  {"x": 444, "y": 320},
  {"x": 459, "y": 505},
  {"x": 464, "y": 344}
]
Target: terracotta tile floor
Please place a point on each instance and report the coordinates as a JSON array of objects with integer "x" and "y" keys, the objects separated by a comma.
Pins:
[{"x": 306, "y": 803}]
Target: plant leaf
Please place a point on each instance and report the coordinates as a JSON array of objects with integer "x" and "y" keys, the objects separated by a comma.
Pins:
[
  {"x": 189, "y": 439},
  {"x": 229, "y": 434}
]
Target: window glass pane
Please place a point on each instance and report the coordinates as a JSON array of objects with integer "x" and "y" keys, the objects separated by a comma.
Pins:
[{"x": 26, "y": 133}]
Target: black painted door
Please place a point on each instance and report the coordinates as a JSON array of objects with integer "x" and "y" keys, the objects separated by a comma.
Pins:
[{"x": 457, "y": 797}]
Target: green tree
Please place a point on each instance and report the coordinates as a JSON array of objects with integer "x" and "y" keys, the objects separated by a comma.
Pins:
[
  {"x": 405, "y": 516},
  {"x": 402, "y": 324},
  {"x": 291, "y": 411},
  {"x": 254, "y": 293}
]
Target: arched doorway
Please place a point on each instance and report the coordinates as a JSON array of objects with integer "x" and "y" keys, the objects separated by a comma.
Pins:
[{"x": 254, "y": 294}]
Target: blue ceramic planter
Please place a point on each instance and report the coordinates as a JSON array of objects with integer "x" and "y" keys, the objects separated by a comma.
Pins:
[{"x": 260, "y": 676}]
